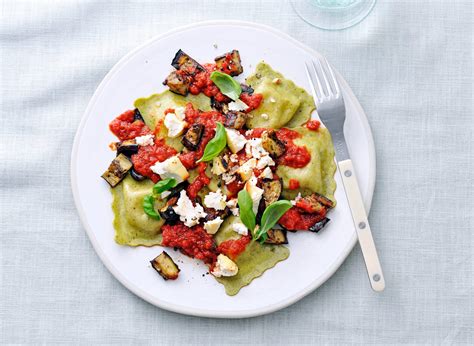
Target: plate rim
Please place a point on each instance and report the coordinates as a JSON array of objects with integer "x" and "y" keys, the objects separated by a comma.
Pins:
[{"x": 201, "y": 312}]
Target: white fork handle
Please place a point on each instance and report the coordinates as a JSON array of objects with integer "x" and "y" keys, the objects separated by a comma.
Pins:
[{"x": 362, "y": 226}]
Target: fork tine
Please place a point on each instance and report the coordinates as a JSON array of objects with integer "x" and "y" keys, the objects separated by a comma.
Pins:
[
  {"x": 333, "y": 77},
  {"x": 310, "y": 78},
  {"x": 326, "y": 82},
  {"x": 318, "y": 81}
]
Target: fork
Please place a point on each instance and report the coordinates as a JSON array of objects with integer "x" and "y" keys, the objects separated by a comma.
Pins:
[{"x": 331, "y": 109}]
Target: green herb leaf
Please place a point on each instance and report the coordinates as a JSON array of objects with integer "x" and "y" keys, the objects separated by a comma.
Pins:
[
  {"x": 247, "y": 215},
  {"x": 215, "y": 145},
  {"x": 271, "y": 215},
  {"x": 226, "y": 84},
  {"x": 164, "y": 185},
  {"x": 149, "y": 207}
]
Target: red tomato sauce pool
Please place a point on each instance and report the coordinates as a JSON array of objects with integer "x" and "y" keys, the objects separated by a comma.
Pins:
[
  {"x": 201, "y": 82},
  {"x": 234, "y": 247},
  {"x": 193, "y": 242},
  {"x": 148, "y": 155},
  {"x": 294, "y": 219},
  {"x": 253, "y": 101},
  {"x": 201, "y": 180},
  {"x": 124, "y": 127},
  {"x": 295, "y": 156},
  {"x": 313, "y": 125}
]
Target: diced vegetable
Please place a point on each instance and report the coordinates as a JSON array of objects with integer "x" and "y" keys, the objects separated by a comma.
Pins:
[
  {"x": 176, "y": 191},
  {"x": 312, "y": 204},
  {"x": 272, "y": 144},
  {"x": 219, "y": 106},
  {"x": 276, "y": 237},
  {"x": 168, "y": 213},
  {"x": 271, "y": 191},
  {"x": 220, "y": 164},
  {"x": 137, "y": 115},
  {"x": 128, "y": 147},
  {"x": 117, "y": 170},
  {"x": 319, "y": 225},
  {"x": 230, "y": 63},
  {"x": 324, "y": 200},
  {"x": 184, "y": 62},
  {"x": 137, "y": 176},
  {"x": 235, "y": 119},
  {"x": 247, "y": 89},
  {"x": 193, "y": 136},
  {"x": 165, "y": 266},
  {"x": 178, "y": 83}
]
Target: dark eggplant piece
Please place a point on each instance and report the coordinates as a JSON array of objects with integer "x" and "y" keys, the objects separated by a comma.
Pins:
[
  {"x": 221, "y": 107},
  {"x": 324, "y": 201},
  {"x": 192, "y": 137},
  {"x": 271, "y": 191},
  {"x": 235, "y": 119},
  {"x": 137, "y": 115},
  {"x": 175, "y": 191},
  {"x": 319, "y": 225},
  {"x": 220, "y": 164},
  {"x": 167, "y": 212},
  {"x": 311, "y": 204},
  {"x": 213, "y": 213},
  {"x": 165, "y": 266},
  {"x": 184, "y": 62},
  {"x": 178, "y": 83},
  {"x": 127, "y": 147},
  {"x": 137, "y": 176},
  {"x": 276, "y": 237},
  {"x": 272, "y": 144},
  {"x": 117, "y": 170},
  {"x": 247, "y": 89},
  {"x": 230, "y": 63}
]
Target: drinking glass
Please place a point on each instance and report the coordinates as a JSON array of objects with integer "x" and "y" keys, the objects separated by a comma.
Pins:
[{"x": 333, "y": 14}]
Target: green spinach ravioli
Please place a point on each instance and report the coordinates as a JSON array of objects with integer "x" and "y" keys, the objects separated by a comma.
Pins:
[{"x": 201, "y": 166}]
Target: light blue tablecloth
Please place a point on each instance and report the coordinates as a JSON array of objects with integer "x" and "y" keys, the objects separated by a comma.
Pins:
[{"x": 410, "y": 64}]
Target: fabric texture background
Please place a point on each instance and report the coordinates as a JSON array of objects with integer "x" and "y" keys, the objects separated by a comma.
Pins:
[{"x": 410, "y": 65}]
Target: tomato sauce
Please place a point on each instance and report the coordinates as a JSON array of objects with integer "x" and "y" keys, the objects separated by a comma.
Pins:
[
  {"x": 295, "y": 156},
  {"x": 148, "y": 155},
  {"x": 124, "y": 127},
  {"x": 293, "y": 184},
  {"x": 201, "y": 180},
  {"x": 234, "y": 247},
  {"x": 194, "y": 242},
  {"x": 256, "y": 132},
  {"x": 295, "y": 219},
  {"x": 313, "y": 125},
  {"x": 201, "y": 82},
  {"x": 253, "y": 101},
  {"x": 234, "y": 187}
]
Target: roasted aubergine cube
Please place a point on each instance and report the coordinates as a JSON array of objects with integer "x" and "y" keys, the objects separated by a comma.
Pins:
[
  {"x": 185, "y": 63},
  {"x": 165, "y": 266},
  {"x": 324, "y": 200},
  {"x": 276, "y": 237},
  {"x": 272, "y": 144},
  {"x": 319, "y": 225},
  {"x": 178, "y": 82},
  {"x": 312, "y": 204},
  {"x": 193, "y": 136},
  {"x": 246, "y": 89},
  {"x": 271, "y": 191},
  {"x": 221, "y": 107},
  {"x": 117, "y": 170},
  {"x": 235, "y": 119},
  {"x": 167, "y": 212},
  {"x": 230, "y": 63},
  {"x": 220, "y": 164},
  {"x": 137, "y": 115},
  {"x": 127, "y": 147}
]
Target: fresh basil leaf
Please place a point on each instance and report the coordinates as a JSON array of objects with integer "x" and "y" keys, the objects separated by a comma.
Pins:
[
  {"x": 164, "y": 185},
  {"x": 271, "y": 215},
  {"x": 226, "y": 84},
  {"x": 247, "y": 215},
  {"x": 215, "y": 145},
  {"x": 149, "y": 207}
]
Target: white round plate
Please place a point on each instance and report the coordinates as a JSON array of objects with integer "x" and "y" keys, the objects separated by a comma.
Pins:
[{"x": 140, "y": 73}]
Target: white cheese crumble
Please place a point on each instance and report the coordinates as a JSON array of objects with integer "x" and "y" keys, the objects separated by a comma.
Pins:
[
  {"x": 179, "y": 111},
  {"x": 232, "y": 205},
  {"x": 171, "y": 168},
  {"x": 246, "y": 170},
  {"x": 240, "y": 228},
  {"x": 228, "y": 178},
  {"x": 265, "y": 161},
  {"x": 235, "y": 141},
  {"x": 266, "y": 174},
  {"x": 238, "y": 106},
  {"x": 212, "y": 226},
  {"x": 215, "y": 200},
  {"x": 255, "y": 193},
  {"x": 224, "y": 267},
  {"x": 234, "y": 158},
  {"x": 254, "y": 148},
  {"x": 188, "y": 213},
  {"x": 145, "y": 140},
  {"x": 174, "y": 125}
]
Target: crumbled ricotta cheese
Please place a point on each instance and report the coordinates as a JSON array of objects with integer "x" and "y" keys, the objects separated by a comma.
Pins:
[
  {"x": 232, "y": 205},
  {"x": 212, "y": 226},
  {"x": 215, "y": 200},
  {"x": 234, "y": 158},
  {"x": 246, "y": 170},
  {"x": 240, "y": 228},
  {"x": 174, "y": 125},
  {"x": 224, "y": 267},
  {"x": 171, "y": 168},
  {"x": 179, "y": 111},
  {"x": 145, "y": 140},
  {"x": 266, "y": 174},
  {"x": 265, "y": 161},
  {"x": 188, "y": 213},
  {"x": 255, "y": 193},
  {"x": 238, "y": 106},
  {"x": 228, "y": 178},
  {"x": 254, "y": 148},
  {"x": 235, "y": 140}
]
